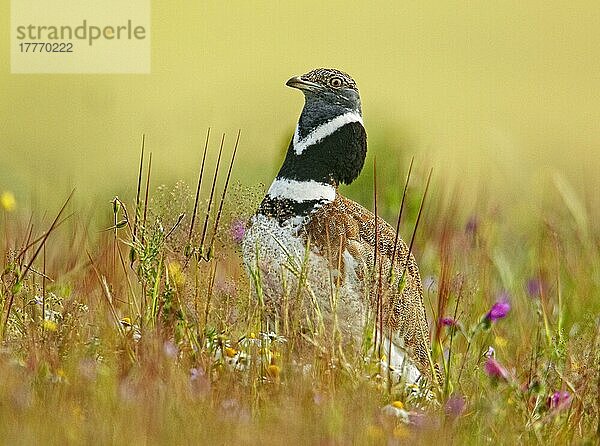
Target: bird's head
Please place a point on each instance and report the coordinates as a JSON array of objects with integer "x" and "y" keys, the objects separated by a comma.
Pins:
[
  {"x": 330, "y": 142},
  {"x": 328, "y": 93}
]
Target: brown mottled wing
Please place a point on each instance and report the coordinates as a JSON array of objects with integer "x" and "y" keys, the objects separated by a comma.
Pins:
[{"x": 345, "y": 225}]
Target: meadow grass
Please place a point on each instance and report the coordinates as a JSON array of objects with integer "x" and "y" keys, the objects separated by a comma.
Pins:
[{"x": 144, "y": 329}]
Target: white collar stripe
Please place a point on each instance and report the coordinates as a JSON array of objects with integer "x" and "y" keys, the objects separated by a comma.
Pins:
[
  {"x": 324, "y": 130},
  {"x": 301, "y": 191}
]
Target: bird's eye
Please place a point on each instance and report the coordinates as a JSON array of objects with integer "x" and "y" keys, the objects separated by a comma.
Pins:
[{"x": 335, "y": 82}]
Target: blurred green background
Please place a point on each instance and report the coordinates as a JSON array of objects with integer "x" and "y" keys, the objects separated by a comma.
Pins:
[{"x": 498, "y": 94}]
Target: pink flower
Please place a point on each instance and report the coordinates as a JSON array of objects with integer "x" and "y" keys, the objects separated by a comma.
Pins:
[
  {"x": 455, "y": 405},
  {"x": 238, "y": 229},
  {"x": 559, "y": 400},
  {"x": 500, "y": 309},
  {"x": 495, "y": 370},
  {"x": 448, "y": 322},
  {"x": 535, "y": 287}
]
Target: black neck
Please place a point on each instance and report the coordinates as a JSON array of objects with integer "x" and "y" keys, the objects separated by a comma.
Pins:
[
  {"x": 337, "y": 158},
  {"x": 319, "y": 110}
]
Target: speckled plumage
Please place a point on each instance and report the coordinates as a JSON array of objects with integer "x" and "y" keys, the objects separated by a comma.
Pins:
[
  {"x": 311, "y": 239},
  {"x": 346, "y": 226}
]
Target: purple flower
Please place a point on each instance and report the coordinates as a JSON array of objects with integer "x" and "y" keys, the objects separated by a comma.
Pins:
[
  {"x": 448, "y": 322},
  {"x": 419, "y": 419},
  {"x": 490, "y": 353},
  {"x": 500, "y": 308},
  {"x": 238, "y": 229},
  {"x": 455, "y": 405},
  {"x": 196, "y": 373},
  {"x": 535, "y": 287},
  {"x": 495, "y": 370},
  {"x": 199, "y": 382},
  {"x": 559, "y": 399}
]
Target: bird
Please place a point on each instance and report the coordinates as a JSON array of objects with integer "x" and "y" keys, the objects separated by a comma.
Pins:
[{"x": 305, "y": 233}]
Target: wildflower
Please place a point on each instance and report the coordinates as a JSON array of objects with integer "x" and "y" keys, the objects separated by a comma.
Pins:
[
  {"x": 238, "y": 229},
  {"x": 398, "y": 404},
  {"x": 419, "y": 419},
  {"x": 559, "y": 400},
  {"x": 455, "y": 406},
  {"x": 131, "y": 329},
  {"x": 60, "y": 376},
  {"x": 500, "y": 308},
  {"x": 448, "y": 322},
  {"x": 230, "y": 352},
  {"x": 500, "y": 341},
  {"x": 490, "y": 353},
  {"x": 199, "y": 383},
  {"x": 196, "y": 373},
  {"x": 534, "y": 287},
  {"x": 8, "y": 201},
  {"x": 49, "y": 325},
  {"x": 273, "y": 337},
  {"x": 234, "y": 359},
  {"x": 495, "y": 370},
  {"x": 413, "y": 388},
  {"x": 392, "y": 410},
  {"x": 250, "y": 340}
]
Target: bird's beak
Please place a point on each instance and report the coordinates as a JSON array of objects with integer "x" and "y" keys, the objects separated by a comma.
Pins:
[{"x": 301, "y": 84}]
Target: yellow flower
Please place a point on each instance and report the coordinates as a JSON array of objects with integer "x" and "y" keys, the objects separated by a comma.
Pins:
[
  {"x": 500, "y": 341},
  {"x": 398, "y": 404},
  {"x": 230, "y": 352},
  {"x": 49, "y": 325},
  {"x": 8, "y": 201}
]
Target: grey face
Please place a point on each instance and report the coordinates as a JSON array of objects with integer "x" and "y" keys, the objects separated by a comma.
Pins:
[{"x": 328, "y": 93}]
